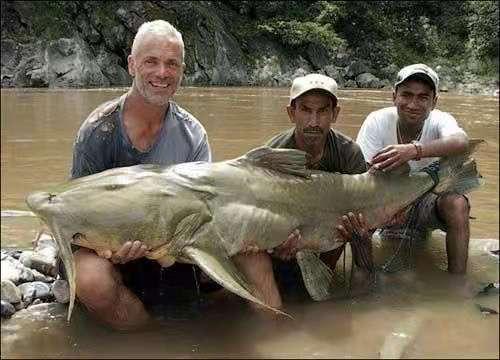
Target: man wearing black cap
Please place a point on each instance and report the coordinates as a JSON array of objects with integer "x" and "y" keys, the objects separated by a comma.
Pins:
[{"x": 414, "y": 132}]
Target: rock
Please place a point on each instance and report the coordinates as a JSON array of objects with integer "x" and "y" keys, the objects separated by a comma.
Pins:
[
  {"x": 44, "y": 257},
  {"x": 60, "y": 289},
  {"x": 38, "y": 276},
  {"x": 10, "y": 292},
  {"x": 318, "y": 56},
  {"x": 34, "y": 290},
  {"x": 25, "y": 258},
  {"x": 336, "y": 73},
  {"x": 351, "y": 84},
  {"x": 111, "y": 68},
  {"x": 7, "y": 309},
  {"x": 357, "y": 67},
  {"x": 20, "y": 305},
  {"x": 367, "y": 80},
  {"x": 70, "y": 63},
  {"x": 389, "y": 72},
  {"x": 13, "y": 270},
  {"x": 36, "y": 302},
  {"x": 47, "y": 246}
]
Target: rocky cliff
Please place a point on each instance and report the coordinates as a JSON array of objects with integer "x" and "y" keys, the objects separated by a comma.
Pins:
[{"x": 86, "y": 43}]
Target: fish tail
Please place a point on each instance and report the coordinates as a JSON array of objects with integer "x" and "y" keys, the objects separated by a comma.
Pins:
[{"x": 457, "y": 174}]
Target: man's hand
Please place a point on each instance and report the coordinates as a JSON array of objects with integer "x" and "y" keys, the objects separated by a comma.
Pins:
[
  {"x": 289, "y": 248},
  {"x": 393, "y": 156},
  {"x": 128, "y": 252},
  {"x": 351, "y": 224}
]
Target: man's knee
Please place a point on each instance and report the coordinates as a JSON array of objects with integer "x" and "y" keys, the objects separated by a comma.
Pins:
[
  {"x": 453, "y": 208},
  {"x": 96, "y": 279}
]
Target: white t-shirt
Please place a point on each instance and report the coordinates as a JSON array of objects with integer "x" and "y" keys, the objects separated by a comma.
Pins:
[{"x": 379, "y": 130}]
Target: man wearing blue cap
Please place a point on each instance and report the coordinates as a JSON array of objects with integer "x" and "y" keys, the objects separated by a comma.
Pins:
[{"x": 414, "y": 132}]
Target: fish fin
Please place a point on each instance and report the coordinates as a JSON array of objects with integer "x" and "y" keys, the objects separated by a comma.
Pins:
[
  {"x": 457, "y": 176},
  {"x": 287, "y": 161},
  {"x": 222, "y": 270},
  {"x": 66, "y": 255},
  {"x": 317, "y": 276}
]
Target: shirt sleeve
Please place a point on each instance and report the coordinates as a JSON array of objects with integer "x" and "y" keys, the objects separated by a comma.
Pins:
[
  {"x": 356, "y": 163},
  {"x": 368, "y": 138},
  {"x": 203, "y": 151},
  {"x": 86, "y": 157},
  {"x": 448, "y": 126}
]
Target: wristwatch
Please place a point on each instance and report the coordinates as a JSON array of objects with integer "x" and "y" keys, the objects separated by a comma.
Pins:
[{"x": 418, "y": 146}]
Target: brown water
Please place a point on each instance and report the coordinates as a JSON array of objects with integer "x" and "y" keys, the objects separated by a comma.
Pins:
[{"x": 37, "y": 131}]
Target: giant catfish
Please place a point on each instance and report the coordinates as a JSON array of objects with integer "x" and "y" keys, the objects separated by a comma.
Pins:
[{"x": 204, "y": 213}]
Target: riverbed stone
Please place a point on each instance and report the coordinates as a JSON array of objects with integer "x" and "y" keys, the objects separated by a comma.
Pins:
[
  {"x": 7, "y": 309},
  {"x": 44, "y": 256},
  {"x": 38, "y": 276},
  {"x": 60, "y": 290},
  {"x": 10, "y": 292},
  {"x": 20, "y": 305},
  {"x": 35, "y": 290},
  {"x": 25, "y": 258},
  {"x": 13, "y": 270}
]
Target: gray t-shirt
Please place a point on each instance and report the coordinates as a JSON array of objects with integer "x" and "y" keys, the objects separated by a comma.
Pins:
[{"x": 102, "y": 143}]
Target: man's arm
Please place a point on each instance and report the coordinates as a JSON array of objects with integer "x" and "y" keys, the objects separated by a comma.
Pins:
[{"x": 394, "y": 156}]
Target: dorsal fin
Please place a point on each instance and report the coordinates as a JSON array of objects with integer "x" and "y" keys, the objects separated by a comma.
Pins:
[{"x": 287, "y": 161}]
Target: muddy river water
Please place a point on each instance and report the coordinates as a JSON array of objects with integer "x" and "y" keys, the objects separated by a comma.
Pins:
[{"x": 426, "y": 312}]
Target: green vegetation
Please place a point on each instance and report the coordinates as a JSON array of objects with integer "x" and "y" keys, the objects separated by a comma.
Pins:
[
  {"x": 460, "y": 34},
  {"x": 385, "y": 32}
]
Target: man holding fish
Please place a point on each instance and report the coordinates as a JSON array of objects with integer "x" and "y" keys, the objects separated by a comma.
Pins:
[
  {"x": 313, "y": 107},
  {"x": 142, "y": 126},
  {"x": 414, "y": 132}
]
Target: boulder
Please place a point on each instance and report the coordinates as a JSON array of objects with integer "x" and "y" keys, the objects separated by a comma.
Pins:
[
  {"x": 7, "y": 309},
  {"x": 10, "y": 292},
  {"x": 35, "y": 290},
  {"x": 60, "y": 289},
  {"x": 13, "y": 270},
  {"x": 71, "y": 64},
  {"x": 356, "y": 68}
]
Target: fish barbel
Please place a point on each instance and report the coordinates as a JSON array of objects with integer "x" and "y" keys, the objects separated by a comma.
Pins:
[{"x": 204, "y": 213}]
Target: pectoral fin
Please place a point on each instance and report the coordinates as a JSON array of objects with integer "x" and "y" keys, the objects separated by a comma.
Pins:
[
  {"x": 222, "y": 270},
  {"x": 317, "y": 276}
]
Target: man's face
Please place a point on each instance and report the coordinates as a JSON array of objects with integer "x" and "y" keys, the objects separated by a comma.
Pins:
[
  {"x": 157, "y": 68},
  {"x": 414, "y": 101},
  {"x": 312, "y": 115}
]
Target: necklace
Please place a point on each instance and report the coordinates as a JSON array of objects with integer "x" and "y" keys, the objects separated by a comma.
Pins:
[{"x": 400, "y": 136}]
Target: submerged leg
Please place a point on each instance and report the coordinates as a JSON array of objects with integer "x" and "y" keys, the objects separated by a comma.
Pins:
[
  {"x": 100, "y": 288},
  {"x": 454, "y": 210},
  {"x": 258, "y": 270}
]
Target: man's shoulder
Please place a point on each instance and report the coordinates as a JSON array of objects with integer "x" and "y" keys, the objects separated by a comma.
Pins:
[
  {"x": 341, "y": 138},
  {"x": 384, "y": 114},
  {"x": 438, "y": 115},
  {"x": 105, "y": 116},
  {"x": 283, "y": 139},
  {"x": 186, "y": 118},
  {"x": 344, "y": 142}
]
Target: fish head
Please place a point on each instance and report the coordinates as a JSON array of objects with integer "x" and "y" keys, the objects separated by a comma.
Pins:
[{"x": 115, "y": 206}]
